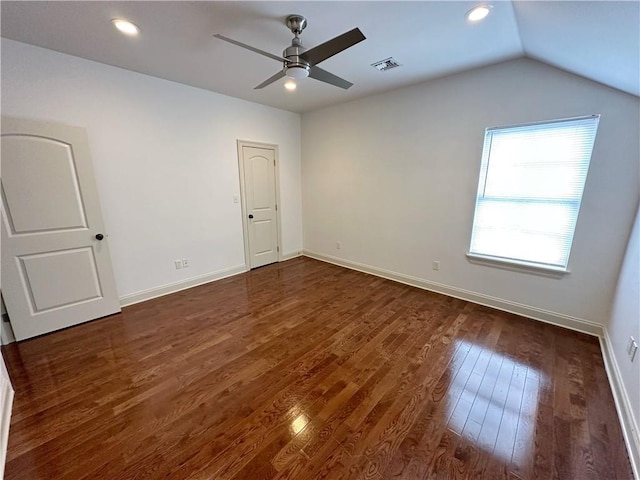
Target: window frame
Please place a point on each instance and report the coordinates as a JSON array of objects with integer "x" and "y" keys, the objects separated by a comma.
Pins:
[{"x": 515, "y": 264}]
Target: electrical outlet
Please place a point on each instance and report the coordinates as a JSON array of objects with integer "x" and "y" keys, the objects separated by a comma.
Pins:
[
  {"x": 178, "y": 264},
  {"x": 436, "y": 265},
  {"x": 185, "y": 263},
  {"x": 632, "y": 349},
  {"x": 338, "y": 245}
]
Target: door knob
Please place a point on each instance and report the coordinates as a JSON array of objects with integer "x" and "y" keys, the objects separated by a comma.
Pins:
[
  {"x": 250, "y": 215},
  {"x": 99, "y": 236}
]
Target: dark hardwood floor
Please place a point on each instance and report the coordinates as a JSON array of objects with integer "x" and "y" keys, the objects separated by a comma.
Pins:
[{"x": 304, "y": 370}]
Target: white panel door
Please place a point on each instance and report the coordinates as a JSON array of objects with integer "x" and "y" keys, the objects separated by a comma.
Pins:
[
  {"x": 56, "y": 268},
  {"x": 260, "y": 204}
]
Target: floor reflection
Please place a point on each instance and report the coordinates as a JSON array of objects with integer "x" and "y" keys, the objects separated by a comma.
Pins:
[
  {"x": 299, "y": 423},
  {"x": 492, "y": 401}
]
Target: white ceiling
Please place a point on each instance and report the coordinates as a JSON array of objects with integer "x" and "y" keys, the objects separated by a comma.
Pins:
[{"x": 599, "y": 40}]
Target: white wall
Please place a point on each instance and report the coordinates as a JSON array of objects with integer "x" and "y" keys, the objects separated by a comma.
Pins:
[
  {"x": 625, "y": 322},
  {"x": 165, "y": 160},
  {"x": 394, "y": 178}
]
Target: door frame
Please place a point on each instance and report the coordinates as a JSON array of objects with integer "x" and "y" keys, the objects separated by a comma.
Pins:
[
  {"x": 6, "y": 406},
  {"x": 243, "y": 199}
]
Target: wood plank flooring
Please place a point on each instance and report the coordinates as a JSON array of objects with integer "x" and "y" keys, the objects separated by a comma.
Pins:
[{"x": 304, "y": 370}]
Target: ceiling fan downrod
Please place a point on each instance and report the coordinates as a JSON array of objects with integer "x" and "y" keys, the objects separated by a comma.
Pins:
[{"x": 295, "y": 67}]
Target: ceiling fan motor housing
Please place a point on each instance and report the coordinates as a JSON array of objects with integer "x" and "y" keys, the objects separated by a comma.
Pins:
[{"x": 295, "y": 66}]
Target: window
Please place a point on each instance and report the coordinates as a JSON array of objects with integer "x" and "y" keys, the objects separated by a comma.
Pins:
[{"x": 529, "y": 191}]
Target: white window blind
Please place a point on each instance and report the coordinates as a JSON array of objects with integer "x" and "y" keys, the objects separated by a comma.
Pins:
[{"x": 529, "y": 191}]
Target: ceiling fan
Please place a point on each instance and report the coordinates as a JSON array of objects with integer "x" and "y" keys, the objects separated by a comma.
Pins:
[{"x": 298, "y": 62}]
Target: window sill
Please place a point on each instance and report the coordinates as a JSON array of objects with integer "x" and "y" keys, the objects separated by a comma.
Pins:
[{"x": 517, "y": 266}]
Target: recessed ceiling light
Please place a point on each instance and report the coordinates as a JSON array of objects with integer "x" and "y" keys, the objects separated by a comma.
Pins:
[
  {"x": 290, "y": 85},
  {"x": 478, "y": 13},
  {"x": 125, "y": 26}
]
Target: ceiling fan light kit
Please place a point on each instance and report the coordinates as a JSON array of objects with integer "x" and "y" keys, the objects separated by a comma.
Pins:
[
  {"x": 298, "y": 62},
  {"x": 297, "y": 72}
]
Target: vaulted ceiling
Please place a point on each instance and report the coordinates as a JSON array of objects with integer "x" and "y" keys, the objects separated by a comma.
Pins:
[{"x": 599, "y": 40}]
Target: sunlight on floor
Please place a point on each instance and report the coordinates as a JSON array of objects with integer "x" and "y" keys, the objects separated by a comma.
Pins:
[{"x": 492, "y": 401}]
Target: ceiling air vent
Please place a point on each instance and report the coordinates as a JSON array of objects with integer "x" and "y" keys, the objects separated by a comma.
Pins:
[{"x": 386, "y": 64}]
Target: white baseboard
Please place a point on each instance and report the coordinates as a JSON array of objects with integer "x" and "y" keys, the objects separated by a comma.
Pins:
[
  {"x": 288, "y": 256},
  {"x": 528, "y": 311},
  {"x": 155, "y": 292},
  {"x": 628, "y": 422},
  {"x": 6, "y": 333}
]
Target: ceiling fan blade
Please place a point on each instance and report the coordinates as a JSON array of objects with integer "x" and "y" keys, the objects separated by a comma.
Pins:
[
  {"x": 249, "y": 47},
  {"x": 329, "y": 48},
  {"x": 270, "y": 80},
  {"x": 330, "y": 78}
]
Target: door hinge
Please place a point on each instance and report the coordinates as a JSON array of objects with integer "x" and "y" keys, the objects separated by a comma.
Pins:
[
  {"x": 276, "y": 207},
  {"x": 274, "y": 162},
  {"x": 277, "y": 249}
]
